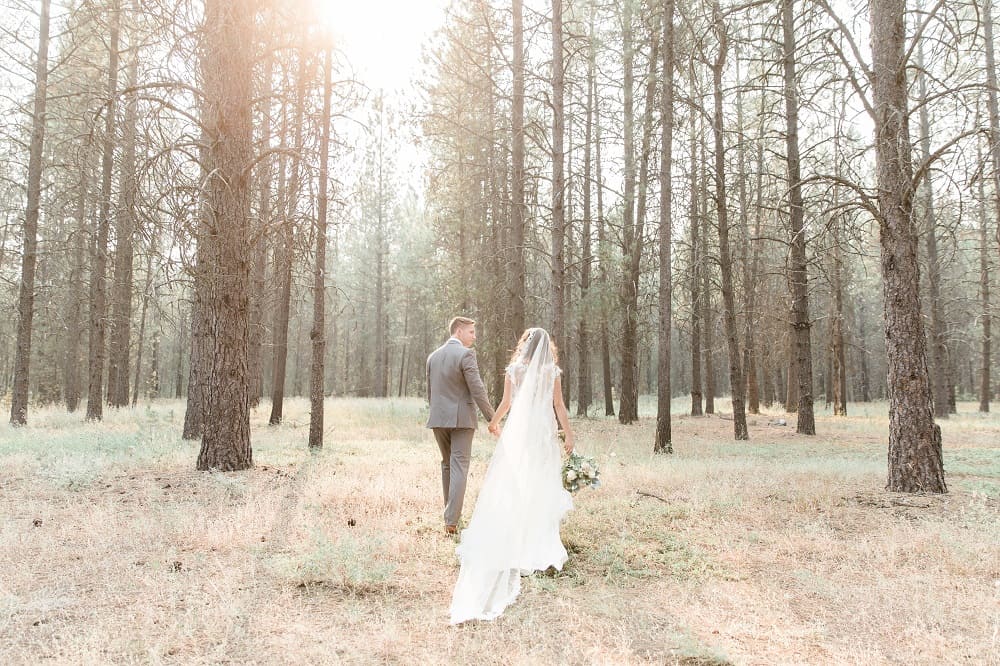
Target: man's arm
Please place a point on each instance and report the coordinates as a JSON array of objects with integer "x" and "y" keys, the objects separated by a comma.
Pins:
[{"x": 470, "y": 368}]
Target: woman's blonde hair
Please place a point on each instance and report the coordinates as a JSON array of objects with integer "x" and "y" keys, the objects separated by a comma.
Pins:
[{"x": 526, "y": 346}]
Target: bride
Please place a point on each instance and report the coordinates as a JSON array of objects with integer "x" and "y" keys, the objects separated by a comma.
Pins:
[{"x": 515, "y": 526}]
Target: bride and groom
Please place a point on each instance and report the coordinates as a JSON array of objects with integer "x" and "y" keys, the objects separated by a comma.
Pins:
[{"x": 514, "y": 528}]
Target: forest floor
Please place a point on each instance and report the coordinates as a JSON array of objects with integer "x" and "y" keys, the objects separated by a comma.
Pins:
[{"x": 781, "y": 550}]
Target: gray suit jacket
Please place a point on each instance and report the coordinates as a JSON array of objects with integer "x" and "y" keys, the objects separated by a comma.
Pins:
[{"x": 454, "y": 387}]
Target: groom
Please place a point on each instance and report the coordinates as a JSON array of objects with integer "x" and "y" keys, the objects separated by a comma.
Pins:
[{"x": 453, "y": 384}]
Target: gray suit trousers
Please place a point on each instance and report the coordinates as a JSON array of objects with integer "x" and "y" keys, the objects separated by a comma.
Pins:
[{"x": 456, "y": 449}]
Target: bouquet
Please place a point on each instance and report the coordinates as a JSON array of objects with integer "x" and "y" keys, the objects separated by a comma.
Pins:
[{"x": 580, "y": 471}]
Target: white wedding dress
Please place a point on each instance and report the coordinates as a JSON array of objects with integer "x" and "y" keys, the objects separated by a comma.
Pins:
[{"x": 515, "y": 526}]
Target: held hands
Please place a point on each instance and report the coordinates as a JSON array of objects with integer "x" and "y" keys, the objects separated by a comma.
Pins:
[
  {"x": 568, "y": 442},
  {"x": 494, "y": 428}
]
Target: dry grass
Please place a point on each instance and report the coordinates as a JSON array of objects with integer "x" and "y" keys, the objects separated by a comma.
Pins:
[{"x": 784, "y": 550}]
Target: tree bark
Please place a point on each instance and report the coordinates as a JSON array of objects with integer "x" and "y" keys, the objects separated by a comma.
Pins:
[
  {"x": 740, "y": 431},
  {"x": 606, "y": 377},
  {"x": 381, "y": 355},
  {"x": 29, "y": 258},
  {"x": 707, "y": 307},
  {"x": 317, "y": 371},
  {"x": 558, "y": 185},
  {"x": 98, "y": 278},
  {"x": 839, "y": 364},
  {"x": 125, "y": 226},
  {"x": 518, "y": 277},
  {"x": 71, "y": 382},
  {"x": 628, "y": 404},
  {"x": 746, "y": 361},
  {"x": 663, "y": 443},
  {"x": 695, "y": 276},
  {"x": 283, "y": 268},
  {"x": 915, "y": 461},
  {"x": 837, "y": 342},
  {"x": 258, "y": 328},
  {"x": 142, "y": 328},
  {"x": 753, "y": 320},
  {"x": 585, "y": 391},
  {"x": 939, "y": 353},
  {"x": 798, "y": 271},
  {"x": 227, "y": 68},
  {"x": 994, "y": 113},
  {"x": 984, "y": 293}
]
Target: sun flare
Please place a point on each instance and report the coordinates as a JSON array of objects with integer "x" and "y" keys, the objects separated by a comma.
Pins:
[{"x": 382, "y": 38}]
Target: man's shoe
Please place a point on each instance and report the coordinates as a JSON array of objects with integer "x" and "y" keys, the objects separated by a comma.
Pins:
[{"x": 451, "y": 529}]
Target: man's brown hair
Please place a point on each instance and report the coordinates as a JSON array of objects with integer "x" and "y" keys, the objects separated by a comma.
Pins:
[{"x": 459, "y": 322}]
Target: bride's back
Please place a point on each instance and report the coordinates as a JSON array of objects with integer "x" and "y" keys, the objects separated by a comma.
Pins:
[{"x": 518, "y": 370}]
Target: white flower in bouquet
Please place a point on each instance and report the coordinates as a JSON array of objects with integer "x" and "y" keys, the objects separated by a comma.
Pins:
[{"x": 580, "y": 472}]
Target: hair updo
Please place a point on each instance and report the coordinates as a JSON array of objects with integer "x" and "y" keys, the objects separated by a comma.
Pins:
[{"x": 529, "y": 341}]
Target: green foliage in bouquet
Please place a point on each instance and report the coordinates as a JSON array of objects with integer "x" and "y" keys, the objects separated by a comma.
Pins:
[{"x": 580, "y": 471}]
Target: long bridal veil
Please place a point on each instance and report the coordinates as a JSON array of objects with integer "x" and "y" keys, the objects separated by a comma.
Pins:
[{"x": 515, "y": 526}]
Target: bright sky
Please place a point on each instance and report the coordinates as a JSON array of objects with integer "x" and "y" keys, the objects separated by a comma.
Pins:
[{"x": 383, "y": 38}]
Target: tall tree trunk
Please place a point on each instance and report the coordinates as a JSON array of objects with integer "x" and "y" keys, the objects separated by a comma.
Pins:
[
  {"x": 258, "y": 328},
  {"x": 915, "y": 461},
  {"x": 26, "y": 293},
  {"x": 992, "y": 106},
  {"x": 518, "y": 277},
  {"x": 73, "y": 312},
  {"x": 497, "y": 168},
  {"x": 125, "y": 227},
  {"x": 750, "y": 352},
  {"x": 695, "y": 276},
  {"x": 839, "y": 356},
  {"x": 228, "y": 70},
  {"x": 98, "y": 278},
  {"x": 558, "y": 185},
  {"x": 381, "y": 364},
  {"x": 586, "y": 308},
  {"x": 708, "y": 332},
  {"x": 839, "y": 364},
  {"x": 994, "y": 113},
  {"x": 201, "y": 322},
  {"x": 607, "y": 380},
  {"x": 628, "y": 404},
  {"x": 984, "y": 293},
  {"x": 939, "y": 353},
  {"x": 142, "y": 328},
  {"x": 707, "y": 306},
  {"x": 287, "y": 231},
  {"x": 798, "y": 271},
  {"x": 745, "y": 244},
  {"x": 663, "y": 443},
  {"x": 740, "y": 431},
  {"x": 317, "y": 371}
]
